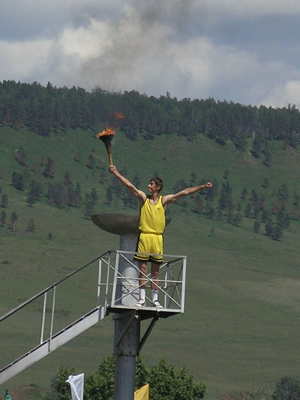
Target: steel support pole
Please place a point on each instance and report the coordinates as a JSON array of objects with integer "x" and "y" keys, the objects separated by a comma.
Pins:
[
  {"x": 127, "y": 327},
  {"x": 130, "y": 283},
  {"x": 127, "y": 336}
]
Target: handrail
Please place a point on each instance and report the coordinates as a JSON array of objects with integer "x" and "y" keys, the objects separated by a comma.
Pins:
[
  {"x": 172, "y": 264},
  {"x": 58, "y": 331},
  {"x": 20, "y": 306},
  {"x": 175, "y": 259}
]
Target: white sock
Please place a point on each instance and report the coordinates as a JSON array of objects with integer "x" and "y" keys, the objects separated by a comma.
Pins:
[
  {"x": 154, "y": 295},
  {"x": 142, "y": 294}
]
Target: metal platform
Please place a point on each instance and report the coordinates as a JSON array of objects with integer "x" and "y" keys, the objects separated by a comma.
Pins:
[{"x": 145, "y": 312}]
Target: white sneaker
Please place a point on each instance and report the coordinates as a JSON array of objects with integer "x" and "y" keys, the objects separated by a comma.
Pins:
[
  {"x": 140, "y": 303},
  {"x": 157, "y": 304}
]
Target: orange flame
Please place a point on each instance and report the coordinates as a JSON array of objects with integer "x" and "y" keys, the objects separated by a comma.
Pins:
[
  {"x": 117, "y": 115},
  {"x": 106, "y": 132}
]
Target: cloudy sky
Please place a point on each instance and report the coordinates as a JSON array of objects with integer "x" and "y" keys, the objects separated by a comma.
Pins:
[{"x": 246, "y": 51}]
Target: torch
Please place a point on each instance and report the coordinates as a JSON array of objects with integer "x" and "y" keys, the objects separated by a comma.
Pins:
[{"x": 107, "y": 135}]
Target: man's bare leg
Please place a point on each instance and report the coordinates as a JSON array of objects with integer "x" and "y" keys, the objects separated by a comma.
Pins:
[
  {"x": 143, "y": 284},
  {"x": 154, "y": 284},
  {"x": 143, "y": 270}
]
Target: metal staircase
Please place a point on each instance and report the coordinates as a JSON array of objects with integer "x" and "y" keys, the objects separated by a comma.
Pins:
[
  {"x": 106, "y": 298},
  {"x": 52, "y": 344}
]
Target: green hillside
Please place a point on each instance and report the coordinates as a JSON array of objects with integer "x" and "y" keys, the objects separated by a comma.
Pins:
[{"x": 240, "y": 328}]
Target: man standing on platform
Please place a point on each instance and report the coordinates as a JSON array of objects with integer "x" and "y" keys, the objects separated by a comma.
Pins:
[{"x": 152, "y": 226}]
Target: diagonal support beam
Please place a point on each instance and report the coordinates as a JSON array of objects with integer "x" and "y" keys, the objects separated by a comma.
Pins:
[{"x": 147, "y": 333}]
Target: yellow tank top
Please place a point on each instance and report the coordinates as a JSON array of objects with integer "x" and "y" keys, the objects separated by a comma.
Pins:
[{"x": 152, "y": 217}]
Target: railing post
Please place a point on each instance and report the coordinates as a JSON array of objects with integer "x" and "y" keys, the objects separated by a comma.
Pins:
[
  {"x": 52, "y": 318},
  {"x": 107, "y": 281},
  {"x": 115, "y": 282},
  {"x": 43, "y": 318},
  {"x": 183, "y": 284},
  {"x": 99, "y": 281},
  {"x": 166, "y": 287}
]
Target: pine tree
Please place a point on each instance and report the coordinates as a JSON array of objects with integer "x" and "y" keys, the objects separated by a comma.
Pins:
[
  {"x": 198, "y": 205},
  {"x": 269, "y": 227},
  {"x": 256, "y": 148},
  {"x": 35, "y": 189},
  {"x": 277, "y": 232},
  {"x": 30, "y": 200},
  {"x": 244, "y": 194},
  {"x": 78, "y": 157},
  {"x": 20, "y": 156},
  {"x": 50, "y": 169},
  {"x": 268, "y": 159},
  {"x": 94, "y": 196},
  {"x": 211, "y": 212},
  {"x": 67, "y": 178},
  {"x": 237, "y": 219},
  {"x": 4, "y": 202},
  {"x": 88, "y": 211},
  {"x": 13, "y": 220},
  {"x": 31, "y": 225},
  {"x": 18, "y": 181},
  {"x": 256, "y": 212},
  {"x": 256, "y": 226},
  {"x": 248, "y": 210},
  {"x": 109, "y": 195},
  {"x": 91, "y": 162},
  {"x": 265, "y": 183},
  {"x": 296, "y": 198},
  {"x": 3, "y": 218}
]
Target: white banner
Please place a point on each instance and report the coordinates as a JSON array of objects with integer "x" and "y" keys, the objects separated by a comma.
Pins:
[{"x": 76, "y": 383}]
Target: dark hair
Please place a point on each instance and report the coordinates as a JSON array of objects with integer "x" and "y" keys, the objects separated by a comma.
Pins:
[{"x": 158, "y": 182}]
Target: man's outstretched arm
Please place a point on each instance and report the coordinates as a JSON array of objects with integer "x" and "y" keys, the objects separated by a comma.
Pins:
[
  {"x": 171, "y": 198},
  {"x": 139, "y": 194}
]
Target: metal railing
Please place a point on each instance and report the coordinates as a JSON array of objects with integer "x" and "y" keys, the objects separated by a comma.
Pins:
[
  {"x": 170, "y": 281},
  {"x": 81, "y": 299},
  {"x": 59, "y": 284},
  {"x": 54, "y": 310}
]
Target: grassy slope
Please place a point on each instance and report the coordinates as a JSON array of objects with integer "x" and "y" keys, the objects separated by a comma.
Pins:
[{"x": 241, "y": 322}]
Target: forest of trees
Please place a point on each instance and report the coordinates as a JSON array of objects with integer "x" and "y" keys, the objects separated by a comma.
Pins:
[
  {"x": 50, "y": 109},
  {"x": 217, "y": 203}
]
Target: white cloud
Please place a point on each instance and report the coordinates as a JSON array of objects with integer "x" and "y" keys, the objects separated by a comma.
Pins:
[
  {"x": 88, "y": 42},
  {"x": 227, "y": 49},
  {"x": 282, "y": 96},
  {"x": 22, "y": 59}
]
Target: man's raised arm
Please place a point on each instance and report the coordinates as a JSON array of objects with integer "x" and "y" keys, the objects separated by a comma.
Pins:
[
  {"x": 139, "y": 194},
  {"x": 171, "y": 198}
]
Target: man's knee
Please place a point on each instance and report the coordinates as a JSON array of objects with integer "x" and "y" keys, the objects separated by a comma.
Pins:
[{"x": 143, "y": 267}]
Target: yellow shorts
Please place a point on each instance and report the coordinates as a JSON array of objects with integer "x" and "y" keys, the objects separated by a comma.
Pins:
[{"x": 149, "y": 243}]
